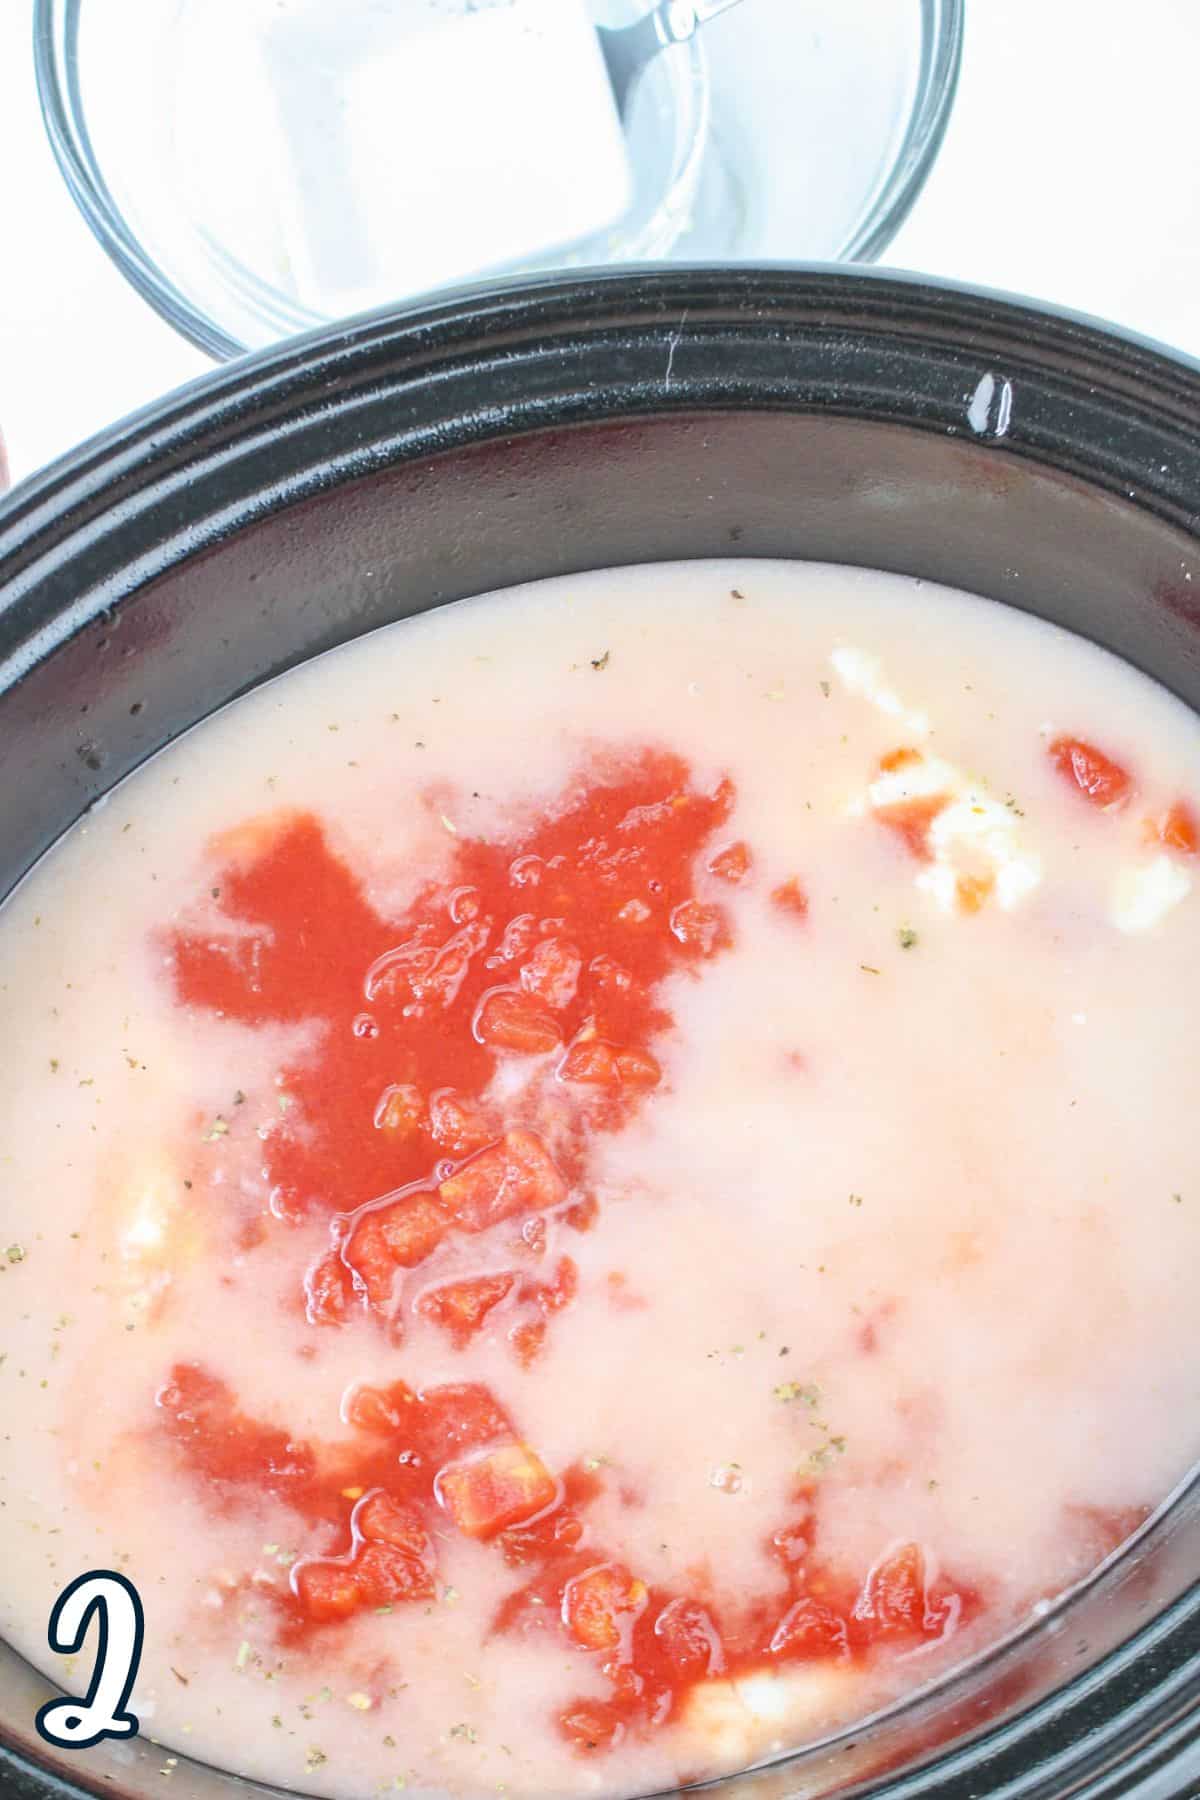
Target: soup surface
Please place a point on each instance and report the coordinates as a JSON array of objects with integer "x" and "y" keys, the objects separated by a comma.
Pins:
[{"x": 605, "y": 1181}]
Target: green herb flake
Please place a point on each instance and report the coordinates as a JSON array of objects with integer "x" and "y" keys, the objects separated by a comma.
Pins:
[
  {"x": 218, "y": 1129},
  {"x": 907, "y": 938},
  {"x": 788, "y": 1391}
]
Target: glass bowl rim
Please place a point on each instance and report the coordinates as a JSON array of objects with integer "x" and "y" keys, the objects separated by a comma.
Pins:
[{"x": 57, "y": 76}]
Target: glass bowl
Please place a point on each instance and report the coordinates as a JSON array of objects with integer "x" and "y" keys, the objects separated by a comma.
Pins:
[{"x": 211, "y": 144}]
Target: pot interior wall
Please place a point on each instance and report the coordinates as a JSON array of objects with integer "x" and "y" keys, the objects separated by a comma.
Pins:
[{"x": 419, "y": 534}]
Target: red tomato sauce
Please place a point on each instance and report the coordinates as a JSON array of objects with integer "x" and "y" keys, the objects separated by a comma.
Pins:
[{"x": 549, "y": 951}]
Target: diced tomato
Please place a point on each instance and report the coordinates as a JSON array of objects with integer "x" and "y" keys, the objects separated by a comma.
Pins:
[
  {"x": 554, "y": 1295},
  {"x": 528, "y": 1339},
  {"x": 552, "y": 973},
  {"x": 911, "y": 819},
  {"x": 400, "y": 1110},
  {"x": 458, "y": 1417},
  {"x": 533, "y": 1236},
  {"x": 638, "y": 1069},
  {"x": 810, "y": 1629},
  {"x": 1179, "y": 829},
  {"x": 457, "y": 1124},
  {"x": 789, "y": 897},
  {"x": 732, "y": 864},
  {"x": 972, "y": 890},
  {"x": 520, "y": 934},
  {"x": 893, "y": 1600},
  {"x": 609, "y": 975},
  {"x": 328, "y": 1591},
  {"x": 601, "y": 1605},
  {"x": 590, "y": 1061},
  {"x": 385, "y": 1238},
  {"x": 381, "y": 1520},
  {"x": 413, "y": 1228},
  {"x": 501, "y": 1487},
  {"x": 701, "y": 926},
  {"x": 380, "y": 1411},
  {"x": 507, "y": 1019},
  {"x": 583, "y": 1214},
  {"x": 367, "y": 1255},
  {"x": 464, "y": 905},
  {"x": 328, "y": 1290},
  {"x": 1104, "y": 782},
  {"x": 460, "y": 1307},
  {"x": 689, "y": 1639},
  {"x": 903, "y": 758},
  {"x": 592, "y": 1725},
  {"x": 560, "y": 1532},
  {"x": 514, "y": 1175},
  {"x": 386, "y": 1575}
]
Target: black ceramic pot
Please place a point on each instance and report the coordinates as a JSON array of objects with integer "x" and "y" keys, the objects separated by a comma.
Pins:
[{"x": 351, "y": 478}]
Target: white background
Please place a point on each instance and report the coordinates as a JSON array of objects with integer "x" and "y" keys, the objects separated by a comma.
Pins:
[{"x": 1071, "y": 172}]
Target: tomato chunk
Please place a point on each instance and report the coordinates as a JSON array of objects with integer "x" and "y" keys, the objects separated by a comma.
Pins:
[
  {"x": 1104, "y": 782},
  {"x": 458, "y": 1417},
  {"x": 327, "y": 1591},
  {"x": 601, "y": 1605},
  {"x": 689, "y": 1639},
  {"x": 592, "y": 1725},
  {"x": 702, "y": 927},
  {"x": 328, "y": 1291},
  {"x": 507, "y": 1019},
  {"x": 381, "y": 1520},
  {"x": 593, "y": 1062},
  {"x": 910, "y": 820},
  {"x": 732, "y": 864},
  {"x": 552, "y": 973},
  {"x": 379, "y": 1410},
  {"x": 789, "y": 897},
  {"x": 400, "y": 1110},
  {"x": 487, "y": 1493},
  {"x": 1179, "y": 829},
  {"x": 386, "y": 1574},
  {"x": 386, "y": 1238},
  {"x": 459, "y": 1125},
  {"x": 810, "y": 1629},
  {"x": 514, "y": 1175},
  {"x": 894, "y": 1599},
  {"x": 972, "y": 890},
  {"x": 460, "y": 1307}
]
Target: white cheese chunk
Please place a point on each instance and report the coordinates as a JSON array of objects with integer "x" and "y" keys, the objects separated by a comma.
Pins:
[
  {"x": 862, "y": 675},
  {"x": 1144, "y": 893}
]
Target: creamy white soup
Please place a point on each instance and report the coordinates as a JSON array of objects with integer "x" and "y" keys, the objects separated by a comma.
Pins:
[{"x": 605, "y": 1181}]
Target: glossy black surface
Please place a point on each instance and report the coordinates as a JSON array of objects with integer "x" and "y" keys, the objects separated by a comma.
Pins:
[{"x": 371, "y": 472}]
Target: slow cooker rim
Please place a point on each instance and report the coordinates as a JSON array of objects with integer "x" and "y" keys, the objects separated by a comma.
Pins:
[{"x": 102, "y": 498}]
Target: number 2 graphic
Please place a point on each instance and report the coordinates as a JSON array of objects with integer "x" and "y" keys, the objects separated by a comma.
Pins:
[{"x": 117, "y": 1608}]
